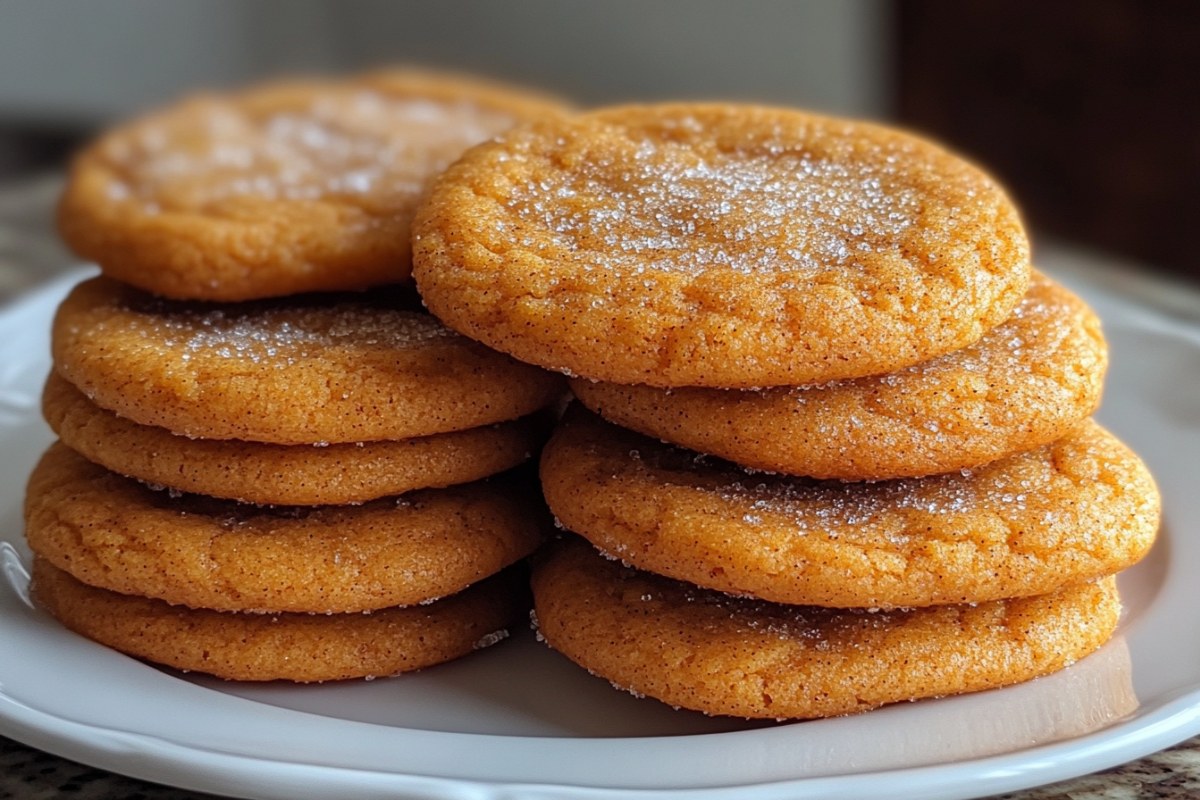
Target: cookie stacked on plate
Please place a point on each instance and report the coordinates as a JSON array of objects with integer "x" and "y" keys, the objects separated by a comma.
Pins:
[
  {"x": 890, "y": 487},
  {"x": 253, "y": 479}
]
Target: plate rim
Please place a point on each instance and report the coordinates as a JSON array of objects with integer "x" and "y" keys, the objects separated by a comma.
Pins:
[{"x": 1170, "y": 722}]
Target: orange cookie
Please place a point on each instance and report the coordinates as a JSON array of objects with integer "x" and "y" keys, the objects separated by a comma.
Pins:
[
  {"x": 301, "y": 370},
  {"x": 279, "y": 189},
  {"x": 721, "y": 655},
  {"x": 1077, "y": 509},
  {"x": 1024, "y": 384},
  {"x": 718, "y": 245},
  {"x": 273, "y": 474},
  {"x": 293, "y": 647},
  {"x": 114, "y": 533}
]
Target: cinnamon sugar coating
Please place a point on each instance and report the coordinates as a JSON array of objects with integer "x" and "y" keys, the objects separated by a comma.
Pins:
[
  {"x": 117, "y": 534},
  {"x": 709, "y": 652},
  {"x": 282, "y": 188},
  {"x": 718, "y": 245},
  {"x": 300, "y": 370},
  {"x": 292, "y": 647},
  {"x": 1027, "y": 382},
  {"x": 1080, "y": 508}
]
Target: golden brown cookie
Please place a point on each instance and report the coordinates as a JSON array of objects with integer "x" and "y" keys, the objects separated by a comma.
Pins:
[
  {"x": 718, "y": 245},
  {"x": 293, "y": 647},
  {"x": 709, "y": 652},
  {"x": 1080, "y": 508},
  {"x": 300, "y": 370},
  {"x": 117, "y": 534},
  {"x": 1024, "y": 384},
  {"x": 282, "y": 188},
  {"x": 273, "y": 474}
]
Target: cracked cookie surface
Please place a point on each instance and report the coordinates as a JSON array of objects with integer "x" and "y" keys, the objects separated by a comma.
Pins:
[
  {"x": 283, "y": 188},
  {"x": 717, "y": 245},
  {"x": 709, "y": 652},
  {"x": 293, "y": 647},
  {"x": 115, "y": 533},
  {"x": 1079, "y": 508},
  {"x": 299, "y": 370},
  {"x": 274, "y": 474},
  {"x": 1027, "y": 382}
]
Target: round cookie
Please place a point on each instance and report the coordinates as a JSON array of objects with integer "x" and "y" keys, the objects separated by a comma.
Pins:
[
  {"x": 293, "y": 647},
  {"x": 283, "y": 188},
  {"x": 1024, "y": 384},
  {"x": 115, "y": 533},
  {"x": 709, "y": 652},
  {"x": 717, "y": 245},
  {"x": 301, "y": 370},
  {"x": 272, "y": 474},
  {"x": 1080, "y": 508}
]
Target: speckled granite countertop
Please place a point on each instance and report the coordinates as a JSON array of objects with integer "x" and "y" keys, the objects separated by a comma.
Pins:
[{"x": 29, "y": 254}]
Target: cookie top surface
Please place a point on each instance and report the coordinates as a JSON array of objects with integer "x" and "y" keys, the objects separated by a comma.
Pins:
[
  {"x": 117, "y": 534},
  {"x": 298, "y": 370},
  {"x": 283, "y": 188},
  {"x": 1027, "y": 382},
  {"x": 709, "y": 652},
  {"x": 273, "y": 474},
  {"x": 718, "y": 245},
  {"x": 295, "y": 647},
  {"x": 1082, "y": 507}
]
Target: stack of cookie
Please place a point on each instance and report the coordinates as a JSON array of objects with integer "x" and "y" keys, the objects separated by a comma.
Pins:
[
  {"x": 851, "y": 461},
  {"x": 257, "y": 481}
]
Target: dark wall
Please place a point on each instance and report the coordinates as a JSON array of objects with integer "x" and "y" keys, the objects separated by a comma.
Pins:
[{"x": 1088, "y": 109}]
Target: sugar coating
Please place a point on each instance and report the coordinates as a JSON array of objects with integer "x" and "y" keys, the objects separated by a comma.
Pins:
[
  {"x": 276, "y": 338},
  {"x": 271, "y": 474},
  {"x": 294, "y": 647},
  {"x": 709, "y": 652},
  {"x": 356, "y": 144},
  {"x": 111, "y": 532},
  {"x": 493, "y": 638},
  {"x": 311, "y": 369},
  {"x": 1079, "y": 508},
  {"x": 711, "y": 245},
  {"x": 777, "y": 211},
  {"x": 282, "y": 188},
  {"x": 1024, "y": 384}
]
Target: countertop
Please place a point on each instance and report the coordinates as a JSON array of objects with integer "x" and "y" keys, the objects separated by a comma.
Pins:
[{"x": 30, "y": 254}]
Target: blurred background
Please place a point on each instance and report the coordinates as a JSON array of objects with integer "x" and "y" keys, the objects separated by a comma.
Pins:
[{"x": 1089, "y": 110}]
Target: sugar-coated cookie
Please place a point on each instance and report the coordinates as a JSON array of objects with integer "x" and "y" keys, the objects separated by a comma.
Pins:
[
  {"x": 283, "y": 188},
  {"x": 710, "y": 652},
  {"x": 714, "y": 245},
  {"x": 273, "y": 474},
  {"x": 1025, "y": 383},
  {"x": 114, "y": 533},
  {"x": 1080, "y": 508},
  {"x": 299, "y": 370},
  {"x": 293, "y": 647}
]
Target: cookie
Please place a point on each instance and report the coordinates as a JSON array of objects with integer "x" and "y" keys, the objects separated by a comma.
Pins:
[
  {"x": 718, "y": 245},
  {"x": 302, "y": 370},
  {"x": 709, "y": 652},
  {"x": 1080, "y": 508},
  {"x": 279, "y": 189},
  {"x": 293, "y": 647},
  {"x": 272, "y": 474},
  {"x": 115, "y": 533},
  {"x": 1024, "y": 384}
]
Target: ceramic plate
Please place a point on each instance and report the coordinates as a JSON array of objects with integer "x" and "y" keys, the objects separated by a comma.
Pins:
[{"x": 518, "y": 720}]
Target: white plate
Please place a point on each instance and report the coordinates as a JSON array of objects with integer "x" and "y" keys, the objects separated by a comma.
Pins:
[{"x": 519, "y": 721}]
